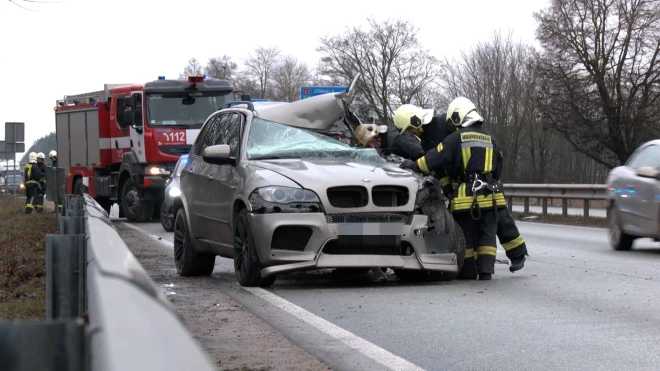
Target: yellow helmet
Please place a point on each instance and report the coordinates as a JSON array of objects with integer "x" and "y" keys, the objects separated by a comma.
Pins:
[
  {"x": 41, "y": 155},
  {"x": 410, "y": 115},
  {"x": 462, "y": 112},
  {"x": 32, "y": 158}
]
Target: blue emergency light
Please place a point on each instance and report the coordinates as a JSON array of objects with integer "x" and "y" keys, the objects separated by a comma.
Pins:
[
  {"x": 161, "y": 77},
  {"x": 207, "y": 77}
]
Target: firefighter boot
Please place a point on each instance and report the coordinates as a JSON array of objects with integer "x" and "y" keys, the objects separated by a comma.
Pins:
[
  {"x": 485, "y": 276},
  {"x": 517, "y": 263}
]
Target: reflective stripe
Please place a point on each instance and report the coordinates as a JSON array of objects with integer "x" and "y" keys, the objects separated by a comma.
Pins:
[
  {"x": 445, "y": 181},
  {"x": 487, "y": 250},
  {"x": 39, "y": 206},
  {"x": 440, "y": 147},
  {"x": 466, "y": 153},
  {"x": 464, "y": 201},
  {"x": 488, "y": 161},
  {"x": 469, "y": 253},
  {"x": 421, "y": 164},
  {"x": 31, "y": 182},
  {"x": 513, "y": 243},
  {"x": 29, "y": 206}
]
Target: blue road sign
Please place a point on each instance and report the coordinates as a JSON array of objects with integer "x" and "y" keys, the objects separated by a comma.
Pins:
[{"x": 310, "y": 91}]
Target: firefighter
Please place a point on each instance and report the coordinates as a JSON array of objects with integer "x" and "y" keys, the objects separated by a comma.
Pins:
[
  {"x": 507, "y": 232},
  {"x": 31, "y": 178},
  {"x": 409, "y": 120},
  {"x": 53, "y": 158},
  {"x": 39, "y": 201},
  {"x": 474, "y": 158}
]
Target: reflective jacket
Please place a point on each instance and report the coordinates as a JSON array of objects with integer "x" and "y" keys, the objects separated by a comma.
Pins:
[
  {"x": 32, "y": 174},
  {"x": 465, "y": 155}
]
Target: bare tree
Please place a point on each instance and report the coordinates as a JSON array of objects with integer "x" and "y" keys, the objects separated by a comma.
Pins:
[
  {"x": 260, "y": 65},
  {"x": 289, "y": 75},
  {"x": 385, "y": 54},
  {"x": 244, "y": 82},
  {"x": 193, "y": 68},
  {"x": 600, "y": 74},
  {"x": 221, "y": 68}
]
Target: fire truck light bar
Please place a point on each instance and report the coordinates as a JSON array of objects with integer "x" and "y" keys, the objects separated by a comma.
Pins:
[
  {"x": 195, "y": 79},
  {"x": 161, "y": 77}
]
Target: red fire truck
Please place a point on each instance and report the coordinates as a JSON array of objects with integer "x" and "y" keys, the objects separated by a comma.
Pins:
[{"x": 121, "y": 143}]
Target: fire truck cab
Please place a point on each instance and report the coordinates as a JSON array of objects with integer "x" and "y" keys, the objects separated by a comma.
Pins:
[{"x": 121, "y": 143}]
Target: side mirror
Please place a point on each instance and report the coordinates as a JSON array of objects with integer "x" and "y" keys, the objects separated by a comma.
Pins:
[
  {"x": 648, "y": 172},
  {"x": 218, "y": 155},
  {"x": 129, "y": 101},
  {"x": 129, "y": 118}
]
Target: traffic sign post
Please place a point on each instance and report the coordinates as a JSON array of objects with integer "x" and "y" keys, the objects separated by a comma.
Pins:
[
  {"x": 311, "y": 91},
  {"x": 13, "y": 144}
]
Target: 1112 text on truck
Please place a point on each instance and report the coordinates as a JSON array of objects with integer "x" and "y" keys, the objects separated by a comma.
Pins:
[{"x": 120, "y": 144}]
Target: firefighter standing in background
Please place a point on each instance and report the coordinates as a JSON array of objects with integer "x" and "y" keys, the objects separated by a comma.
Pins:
[
  {"x": 53, "y": 158},
  {"x": 507, "y": 232},
  {"x": 31, "y": 178},
  {"x": 39, "y": 202},
  {"x": 474, "y": 158}
]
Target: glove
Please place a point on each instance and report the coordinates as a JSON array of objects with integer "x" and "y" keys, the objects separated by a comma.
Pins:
[{"x": 410, "y": 164}]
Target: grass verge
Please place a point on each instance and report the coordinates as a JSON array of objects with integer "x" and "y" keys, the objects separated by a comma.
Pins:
[
  {"x": 23, "y": 260},
  {"x": 575, "y": 220}
]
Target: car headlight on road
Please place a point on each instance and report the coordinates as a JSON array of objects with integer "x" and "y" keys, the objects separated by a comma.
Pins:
[
  {"x": 156, "y": 170},
  {"x": 276, "y": 199},
  {"x": 175, "y": 192}
]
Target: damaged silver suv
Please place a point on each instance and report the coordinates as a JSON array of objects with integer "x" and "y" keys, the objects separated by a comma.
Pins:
[{"x": 266, "y": 190}]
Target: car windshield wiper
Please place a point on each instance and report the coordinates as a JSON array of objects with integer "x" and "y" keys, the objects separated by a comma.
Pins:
[{"x": 279, "y": 157}]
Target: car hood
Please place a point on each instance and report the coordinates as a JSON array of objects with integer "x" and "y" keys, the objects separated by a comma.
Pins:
[{"x": 324, "y": 173}]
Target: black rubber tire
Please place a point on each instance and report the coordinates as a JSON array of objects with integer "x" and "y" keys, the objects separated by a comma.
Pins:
[
  {"x": 168, "y": 225},
  {"x": 188, "y": 262},
  {"x": 144, "y": 210},
  {"x": 247, "y": 266},
  {"x": 619, "y": 240}
]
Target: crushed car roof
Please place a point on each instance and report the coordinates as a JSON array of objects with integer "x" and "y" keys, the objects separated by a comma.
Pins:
[{"x": 315, "y": 113}]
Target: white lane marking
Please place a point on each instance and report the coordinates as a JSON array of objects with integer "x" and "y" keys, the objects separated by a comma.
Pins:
[{"x": 367, "y": 348}]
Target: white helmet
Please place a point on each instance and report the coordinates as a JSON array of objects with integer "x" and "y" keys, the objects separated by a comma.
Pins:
[
  {"x": 410, "y": 115},
  {"x": 32, "y": 157},
  {"x": 41, "y": 155},
  {"x": 462, "y": 112},
  {"x": 52, "y": 153}
]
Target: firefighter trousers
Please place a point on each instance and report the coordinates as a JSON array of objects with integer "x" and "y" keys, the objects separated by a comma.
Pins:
[
  {"x": 39, "y": 199},
  {"x": 480, "y": 242},
  {"x": 31, "y": 192},
  {"x": 509, "y": 236}
]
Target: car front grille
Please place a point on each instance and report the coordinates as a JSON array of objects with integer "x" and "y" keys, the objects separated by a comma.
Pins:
[
  {"x": 291, "y": 238},
  {"x": 348, "y": 197},
  {"x": 405, "y": 218}
]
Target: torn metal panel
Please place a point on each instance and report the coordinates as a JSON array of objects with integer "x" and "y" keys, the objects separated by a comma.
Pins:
[{"x": 315, "y": 113}]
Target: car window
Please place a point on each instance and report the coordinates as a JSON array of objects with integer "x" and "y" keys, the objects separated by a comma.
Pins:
[
  {"x": 202, "y": 137},
  {"x": 268, "y": 139},
  {"x": 229, "y": 132},
  {"x": 648, "y": 156}
]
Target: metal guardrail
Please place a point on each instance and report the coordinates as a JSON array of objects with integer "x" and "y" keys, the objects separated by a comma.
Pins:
[
  {"x": 103, "y": 310},
  {"x": 565, "y": 192}
]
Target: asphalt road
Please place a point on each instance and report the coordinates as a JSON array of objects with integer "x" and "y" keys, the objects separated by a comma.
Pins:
[{"x": 576, "y": 305}]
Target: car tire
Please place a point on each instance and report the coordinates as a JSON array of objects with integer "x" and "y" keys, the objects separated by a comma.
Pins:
[
  {"x": 165, "y": 221},
  {"x": 619, "y": 240},
  {"x": 247, "y": 266},
  {"x": 143, "y": 210},
  {"x": 188, "y": 262}
]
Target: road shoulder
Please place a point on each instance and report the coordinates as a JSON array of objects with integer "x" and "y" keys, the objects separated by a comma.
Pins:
[{"x": 234, "y": 338}]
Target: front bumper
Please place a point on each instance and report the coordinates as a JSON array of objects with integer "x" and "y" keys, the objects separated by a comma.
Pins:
[{"x": 319, "y": 251}]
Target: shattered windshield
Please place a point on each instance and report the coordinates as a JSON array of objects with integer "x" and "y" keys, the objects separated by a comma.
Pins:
[
  {"x": 184, "y": 110},
  {"x": 271, "y": 140}
]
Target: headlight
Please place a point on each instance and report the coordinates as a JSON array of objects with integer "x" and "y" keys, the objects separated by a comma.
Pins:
[
  {"x": 275, "y": 199},
  {"x": 22, "y": 186},
  {"x": 155, "y": 170},
  {"x": 175, "y": 192}
]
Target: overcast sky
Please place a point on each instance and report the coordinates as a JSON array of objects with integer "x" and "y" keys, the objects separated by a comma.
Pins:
[{"x": 76, "y": 46}]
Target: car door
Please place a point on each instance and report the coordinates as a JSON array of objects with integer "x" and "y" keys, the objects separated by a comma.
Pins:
[
  {"x": 639, "y": 192},
  {"x": 194, "y": 178},
  {"x": 225, "y": 182}
]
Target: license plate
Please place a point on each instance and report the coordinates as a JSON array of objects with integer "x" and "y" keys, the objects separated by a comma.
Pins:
[{"x": 370, "y": 229}]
